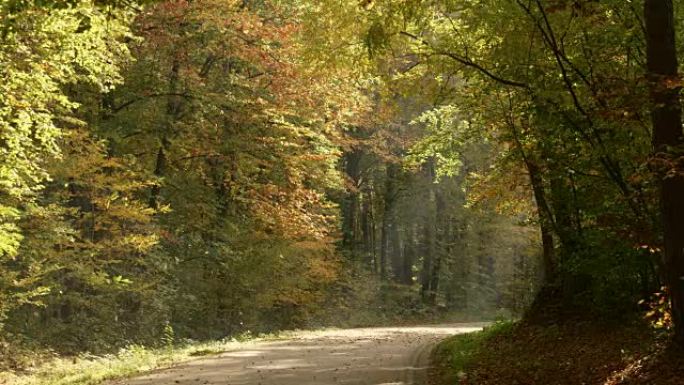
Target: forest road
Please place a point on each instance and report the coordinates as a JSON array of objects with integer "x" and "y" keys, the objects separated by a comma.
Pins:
[{"x": 369, "y": 356}]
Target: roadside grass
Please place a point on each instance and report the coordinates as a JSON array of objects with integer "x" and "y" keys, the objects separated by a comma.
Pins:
[
  {"x": 89, "y": 370},
  {"x": 456, "y": 354}
]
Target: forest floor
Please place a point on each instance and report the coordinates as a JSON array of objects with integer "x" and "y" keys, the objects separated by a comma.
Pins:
[{"x": 575, "y": 351}]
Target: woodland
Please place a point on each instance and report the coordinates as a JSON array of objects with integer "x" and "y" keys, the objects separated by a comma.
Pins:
[{"x": 175, "y": 170}]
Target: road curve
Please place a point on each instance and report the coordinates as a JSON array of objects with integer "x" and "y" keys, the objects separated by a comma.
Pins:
[{"x": 370, "y": 356}]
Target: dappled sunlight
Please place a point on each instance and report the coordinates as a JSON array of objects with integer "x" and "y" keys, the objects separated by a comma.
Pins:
[
  {"x": 368, "y": 356},
  {"x": 246, "y": 353}
]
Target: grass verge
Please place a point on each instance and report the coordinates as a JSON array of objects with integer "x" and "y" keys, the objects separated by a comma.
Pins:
[
  {"x": 455, "y": 355},
  {"x": 90, "y": 370}
]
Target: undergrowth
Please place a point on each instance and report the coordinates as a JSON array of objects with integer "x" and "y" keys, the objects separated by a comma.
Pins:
[{"x": 89, "y": 370}]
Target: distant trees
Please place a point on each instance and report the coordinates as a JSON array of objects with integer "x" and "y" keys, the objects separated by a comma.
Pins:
[
  {"x": 416, "y": 227},
  {"x": 558, "y": 89}
]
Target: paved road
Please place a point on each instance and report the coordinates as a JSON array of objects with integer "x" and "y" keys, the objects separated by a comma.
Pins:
[{"x": 372, "y": 356}]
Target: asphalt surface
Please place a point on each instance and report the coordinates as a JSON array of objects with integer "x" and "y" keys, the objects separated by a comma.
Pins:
[{"x": 371, "y": 356}]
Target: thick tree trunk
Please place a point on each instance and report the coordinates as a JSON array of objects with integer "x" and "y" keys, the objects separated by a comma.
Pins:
[
  {"x": 666, "y": 115},
  {"x": 546, "y": 220},
  {"x": 545, "y": 225},
  {"x": 562, "y": 212}
]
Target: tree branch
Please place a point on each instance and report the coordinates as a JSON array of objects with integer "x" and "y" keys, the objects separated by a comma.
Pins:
[
  {"x": 156, "y": 95},
  {"x": 467, "y": 62}
]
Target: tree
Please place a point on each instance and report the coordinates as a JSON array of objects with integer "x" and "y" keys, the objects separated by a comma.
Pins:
[
  {"x": 668, "y": 146},
  {"x": 43, "y": 52},
  {"x": 239, "y": 133}
]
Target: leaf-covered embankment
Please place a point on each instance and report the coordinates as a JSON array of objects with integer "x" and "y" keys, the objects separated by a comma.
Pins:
[{"x": 577, "y": 350}]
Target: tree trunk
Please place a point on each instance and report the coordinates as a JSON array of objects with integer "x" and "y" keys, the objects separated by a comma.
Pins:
[
  {"x": 373, "y": 234},
  {"x": 666, "y": 115},
  {"x": 159, "y": 170},
  {"x": 173, "y": 106},
  {"x": 409, "y": 255},
  {"x": 397, "y": 249},
  {"x": 387, "y": 215},
  {"x": 441, "y": 224},
  {"x": 545, "y": 224},
  {"x": 368, "y": 228},
  {"x": 384, "y": 242},
  {"x": 546, "y": 220},
  {"x": 430, "y": 255},
  {"x": 351, "y": 206}
]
